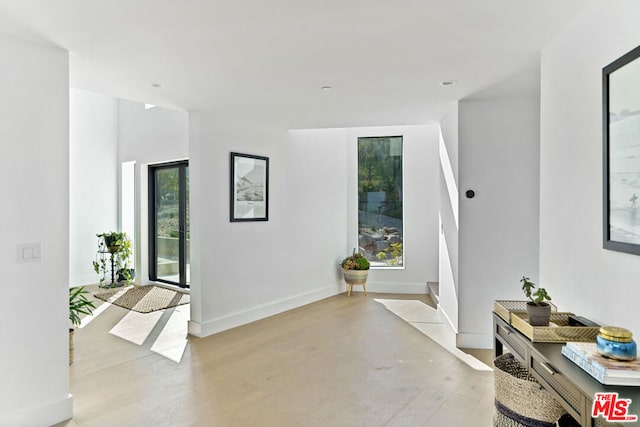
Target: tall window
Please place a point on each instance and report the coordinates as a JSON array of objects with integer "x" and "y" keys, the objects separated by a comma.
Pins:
[{"x": 380, "y": 227}]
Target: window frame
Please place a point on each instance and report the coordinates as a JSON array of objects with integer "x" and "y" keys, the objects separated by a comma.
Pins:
[
  {"x": 386, "y": 266},
  {"x": 152, "y": 213}
]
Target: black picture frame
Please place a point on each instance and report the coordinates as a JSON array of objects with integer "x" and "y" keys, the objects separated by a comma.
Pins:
[
  {"x": 249, "y": 188},
  {"x": 621, "y": 153}
]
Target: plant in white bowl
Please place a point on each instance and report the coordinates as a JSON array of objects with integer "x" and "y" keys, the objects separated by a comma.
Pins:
[{"x": 355, "y": 268}]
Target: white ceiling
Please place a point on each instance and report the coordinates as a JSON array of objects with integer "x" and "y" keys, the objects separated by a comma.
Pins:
[{"x": 267, "y": 59}]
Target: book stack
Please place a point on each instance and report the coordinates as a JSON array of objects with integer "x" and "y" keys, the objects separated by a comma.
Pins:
[{"x": 606, "y": 371}]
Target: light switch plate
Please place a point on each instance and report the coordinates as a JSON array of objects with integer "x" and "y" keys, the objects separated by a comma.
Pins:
[{"x": 29, "y": 252}]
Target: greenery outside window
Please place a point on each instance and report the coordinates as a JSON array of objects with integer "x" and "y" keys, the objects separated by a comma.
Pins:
[
  {"x": 380, "y": 219},
  {"x": 169, "y": 231}
]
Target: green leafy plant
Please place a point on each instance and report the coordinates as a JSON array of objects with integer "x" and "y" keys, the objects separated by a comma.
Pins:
[
  {"x": 539, "y": 296},
  {"x": 100, "y": 265},
  {"x": 79, "y": 304},
  {"x": 394, "y": 253},
  {"x": 355, "y": 261}
]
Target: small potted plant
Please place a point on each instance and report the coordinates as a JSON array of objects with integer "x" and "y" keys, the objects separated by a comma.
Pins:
[
  {"x": 78, "y": 304},
  {"x": 355, "y": 268},
  {"x": 538, "y": 311}
]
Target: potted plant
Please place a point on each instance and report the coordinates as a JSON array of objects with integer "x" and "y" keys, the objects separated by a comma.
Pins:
[
  {"x": 113, "y": 240},
  {"x": 538, "y": 311},
  {"x": 78, "y": 304},
  {"x": 114, "y": 252},
  {"x": 355, "y": 268}
]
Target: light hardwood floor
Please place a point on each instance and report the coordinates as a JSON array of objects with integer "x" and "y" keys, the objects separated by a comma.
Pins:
[{"x": 343, "y": 361}]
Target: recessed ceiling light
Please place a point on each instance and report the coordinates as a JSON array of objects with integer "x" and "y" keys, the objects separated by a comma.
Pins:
[
  {"x": 156, "y": 85},
  {"x": 448, "y": 82},
  {"x": 326, "y": 88}
]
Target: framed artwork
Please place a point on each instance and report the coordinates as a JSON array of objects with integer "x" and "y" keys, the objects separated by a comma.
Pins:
[
  {"x": 621, "y": 153},
  {"x": 249, "y": 192}
]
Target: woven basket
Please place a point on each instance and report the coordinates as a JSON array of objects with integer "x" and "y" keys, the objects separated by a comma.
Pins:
[
  {"x": 70, "y": 346},
  {"x": 520, "y": 397},
  {"x": 501, "y": 420}
]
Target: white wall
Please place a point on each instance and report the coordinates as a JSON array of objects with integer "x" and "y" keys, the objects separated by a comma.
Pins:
[
  {"x": 498, "y": 237},
  {"x": 151, "y": 136},
  {"x": 148, "y": 136},
  {"x": 93, "y": 167},
  {"x": 420, "y": 207},
  {"x": 104, "y": 133},
  {"x": 448, "y": 216},
  {"x": 580, "y": 275},
  {"x": 34, "y": 83},
  {"x": 246, "y": 271}
]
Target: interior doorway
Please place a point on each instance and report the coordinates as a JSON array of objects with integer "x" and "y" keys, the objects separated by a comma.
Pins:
[{"x": 169, "y": 223}]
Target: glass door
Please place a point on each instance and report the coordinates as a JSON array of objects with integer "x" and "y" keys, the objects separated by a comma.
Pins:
[{"x": 169, "y": 223}]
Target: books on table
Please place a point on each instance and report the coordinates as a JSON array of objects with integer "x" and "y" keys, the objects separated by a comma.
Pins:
[{"x": 606, "y": 371}]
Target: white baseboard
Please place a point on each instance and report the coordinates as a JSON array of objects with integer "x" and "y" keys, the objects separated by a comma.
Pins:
[
  {"x": 483, "y": 341},
  {"x": 394, "y": 288},
  {"x": 41, "y": 415},
  {"x": 220, "y": 324},
  {"x": 83, "y": 280},
  {"x": 223, "y": 323}
]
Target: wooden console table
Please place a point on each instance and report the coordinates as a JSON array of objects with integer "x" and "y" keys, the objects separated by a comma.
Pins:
[{"x": 573, "y": 388}]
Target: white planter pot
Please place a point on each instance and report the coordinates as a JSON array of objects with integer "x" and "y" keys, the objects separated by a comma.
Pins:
[{"x": 356, "y": 277}]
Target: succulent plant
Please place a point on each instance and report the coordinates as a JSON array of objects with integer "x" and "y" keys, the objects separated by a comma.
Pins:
[{"x": 355, "y": 261}]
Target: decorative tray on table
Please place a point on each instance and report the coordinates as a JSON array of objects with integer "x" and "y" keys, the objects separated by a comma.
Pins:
[
  {"x": 505, "y": 309},
  {"x": 559, "y": 330}
]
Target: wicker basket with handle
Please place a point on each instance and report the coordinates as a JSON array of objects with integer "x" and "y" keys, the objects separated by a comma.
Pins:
[{"x": 520, "y": 398}]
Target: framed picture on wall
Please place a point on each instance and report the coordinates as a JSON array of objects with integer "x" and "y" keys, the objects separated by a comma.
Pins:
[
  {"x": 249, "y": 192},
  {"x": 621, "y": 153}
]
